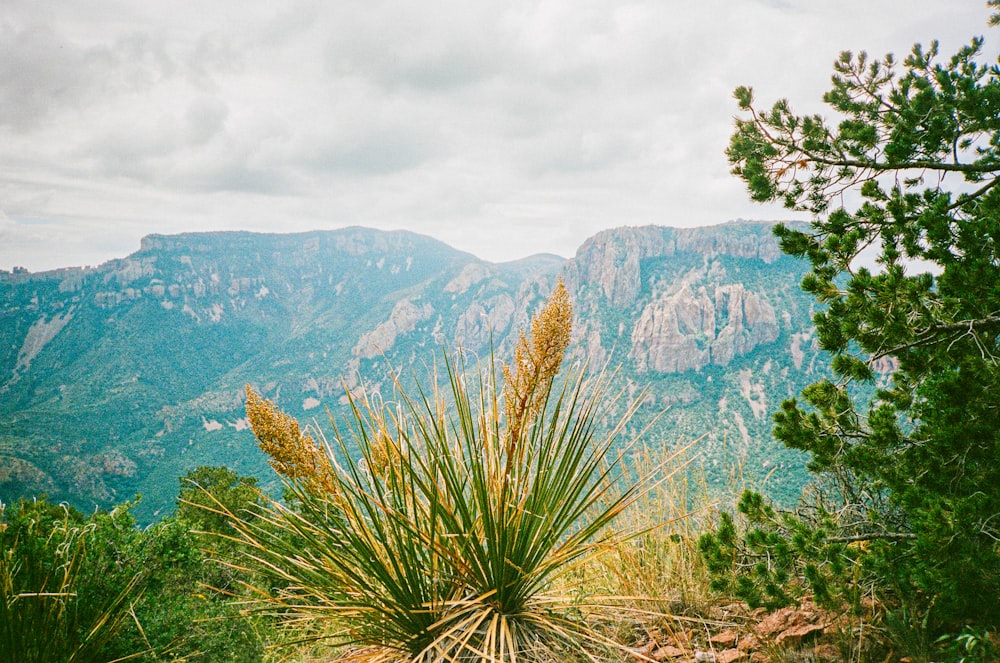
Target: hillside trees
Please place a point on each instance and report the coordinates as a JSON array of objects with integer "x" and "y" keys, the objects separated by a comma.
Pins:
[
  {"x": 191, "y": 604},
  {"x": 63, "y": 597},
  {"x": 908, "y": 175}
]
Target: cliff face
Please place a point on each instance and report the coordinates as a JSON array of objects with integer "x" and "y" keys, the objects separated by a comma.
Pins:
[
  {"x": 612, "y": 258},
  {"x": 688, "y": 330},
  {"x": 115, "y": 380},
  {"x": 405, "y": 317},
  {"x": 692, "y": 297}
]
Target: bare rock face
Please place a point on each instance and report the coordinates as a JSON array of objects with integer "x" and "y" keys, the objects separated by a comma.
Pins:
[
  {"x": 689, "y": 329},
  {"x": 471, "y": 274},
  {"x": 481, "y": 321},
  {"x": 673, "y": 332},
  {"x": 404, "y": 318},
  {"x": 594, "y": 353},
  {"x": 612, "y": 258},
  {"x": 38, "y": 336},
  {"x": 750, "y": 321}
]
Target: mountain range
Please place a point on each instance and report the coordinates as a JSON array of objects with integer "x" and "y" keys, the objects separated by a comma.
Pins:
[{"x": 115, "y": 380}]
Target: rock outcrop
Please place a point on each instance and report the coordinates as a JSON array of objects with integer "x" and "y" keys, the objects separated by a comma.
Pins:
[
  {"x": 403, "y": 319},
  {"x": 749, "y": 322},
  {"x": 612, "y": 259},
  {"x": 471, "y": 274},
  {"x": 690, "y": 329},
  {"x": 481, "y": 321},
  {"x": 674, "y": 332},
  {"x": 38, "y": 336}
]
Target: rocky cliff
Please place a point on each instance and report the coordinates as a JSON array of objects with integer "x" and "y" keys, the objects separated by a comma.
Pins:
[
  {"x": 687, "y": 330},
  {"x": 613, "y": 258},
  {"x": 115, "y": 380}
]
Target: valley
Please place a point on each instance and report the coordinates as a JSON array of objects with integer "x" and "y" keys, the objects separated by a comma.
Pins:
[{"x": 117, "y": 379}]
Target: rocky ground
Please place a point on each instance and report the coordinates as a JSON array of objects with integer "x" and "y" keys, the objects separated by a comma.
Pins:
[{"x": 735, "y": 634}]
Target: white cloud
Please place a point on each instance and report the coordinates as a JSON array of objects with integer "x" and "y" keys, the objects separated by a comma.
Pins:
[{"x": 504, "y": 128}]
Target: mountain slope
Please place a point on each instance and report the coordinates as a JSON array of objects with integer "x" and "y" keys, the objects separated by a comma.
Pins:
[{"x": 117, "y": 379}]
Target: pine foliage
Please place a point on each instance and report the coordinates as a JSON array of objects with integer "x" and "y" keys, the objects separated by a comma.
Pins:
[{"x": 907, "y": 173}]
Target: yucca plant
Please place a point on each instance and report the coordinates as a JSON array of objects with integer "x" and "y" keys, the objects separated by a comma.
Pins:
[
  {"x": 43, "y": 617},
  {"x": 451, "y": 537}
]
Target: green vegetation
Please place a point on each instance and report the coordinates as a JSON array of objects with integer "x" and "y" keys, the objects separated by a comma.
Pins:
[
  {"x": 145, "y": 380},
  {"x": 907, "y": 510},
  {"x": 55, "y": 606},
  {"x": 194, "y": 608},
  {"x": 75, "y": 588},
  {"x": 451, "y": 538},
  {"x": 493, "y": 514}
]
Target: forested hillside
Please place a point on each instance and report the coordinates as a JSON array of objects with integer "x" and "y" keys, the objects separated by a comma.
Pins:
[{"x": 117, "y": 379}]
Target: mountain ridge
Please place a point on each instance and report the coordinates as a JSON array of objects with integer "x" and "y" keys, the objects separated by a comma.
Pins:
[{"x": 116, "y": 379}]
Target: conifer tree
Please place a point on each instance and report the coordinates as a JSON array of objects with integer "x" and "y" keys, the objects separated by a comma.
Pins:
[{"x": 907, "y": 173}]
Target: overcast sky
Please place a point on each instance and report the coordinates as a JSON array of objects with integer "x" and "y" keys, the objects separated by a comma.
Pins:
[{"x": 504, "y": 128}]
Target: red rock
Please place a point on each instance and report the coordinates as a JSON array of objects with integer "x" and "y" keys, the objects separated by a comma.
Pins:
[
  {"x": 827, "y": 652},
  {"x": 776, "y": 622},
  {"x": 724, "y": 639},
  {"x": 748, "y": 642},
  {"x": 667, "y": 651},
  {"x": 795, "y": 635},
  {"x": 729, "y": 655},
  {"x": 643, "y": 652},
  {"x": 647, "y": 648},
  {"x": 790, "y": 626},
  {"x": 681, "y": 639}
]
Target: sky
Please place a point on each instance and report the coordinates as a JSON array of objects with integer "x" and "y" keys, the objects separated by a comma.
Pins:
[{"x": 503, "y": 128}]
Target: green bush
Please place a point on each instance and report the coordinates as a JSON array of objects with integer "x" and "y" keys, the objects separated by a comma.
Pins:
[
  {"x": 53, "y": 608},
  {"x": 98, "y": 588}
]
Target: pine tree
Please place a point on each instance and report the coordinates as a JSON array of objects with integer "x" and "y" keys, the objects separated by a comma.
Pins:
[{"x": 904, "y": 249}]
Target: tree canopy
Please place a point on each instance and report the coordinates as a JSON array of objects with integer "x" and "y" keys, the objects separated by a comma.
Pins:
[{"x": 904, "y": 248}]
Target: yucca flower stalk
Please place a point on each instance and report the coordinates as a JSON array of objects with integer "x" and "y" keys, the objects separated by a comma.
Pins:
[
  {"x": 536, "y": 364},
  {"x": 451, "y": 537}
]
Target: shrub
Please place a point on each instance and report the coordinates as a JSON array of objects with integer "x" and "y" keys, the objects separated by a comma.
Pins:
[
  {"x": 451, "y": 536},
  {"x": 50, "y": 612}
]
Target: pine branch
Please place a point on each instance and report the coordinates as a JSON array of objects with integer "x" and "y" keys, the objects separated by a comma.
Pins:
[
  {"x": 940, "y": 332},
  {"x": 878, "y": 536}
]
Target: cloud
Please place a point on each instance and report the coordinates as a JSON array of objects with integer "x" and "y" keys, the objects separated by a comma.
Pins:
[
  {"x": 373, "y": 153},
  {"x": 455, "y": 44},
  {"x": 41, "y": 72},
  {"x": 33, "y": 243},
  {"x": 7, "y": 228},
  {"x": 507, "y": 128},
  {"x": 204, "y": 118}
]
